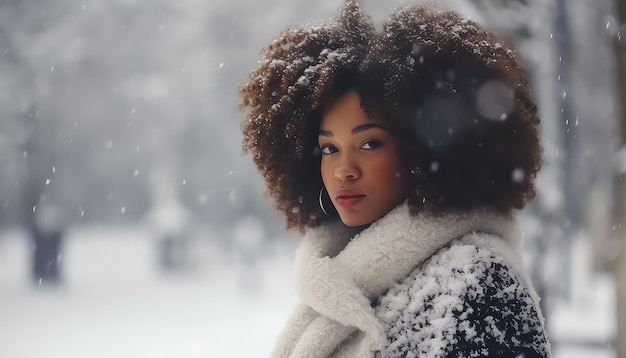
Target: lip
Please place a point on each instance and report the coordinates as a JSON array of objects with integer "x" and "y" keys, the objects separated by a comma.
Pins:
[{"x": 347, "y": 198}]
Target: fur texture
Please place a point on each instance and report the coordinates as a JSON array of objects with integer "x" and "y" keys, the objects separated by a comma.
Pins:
[{"x": 339, "y": 275}]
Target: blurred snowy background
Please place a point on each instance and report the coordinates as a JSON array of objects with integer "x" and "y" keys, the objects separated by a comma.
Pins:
[{"x": 131, "y": 226}]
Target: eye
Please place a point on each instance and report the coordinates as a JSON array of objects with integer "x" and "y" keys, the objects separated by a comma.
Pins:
[
  {"x": 372, "y": 144},
  {"x": 328, "y": 149}
]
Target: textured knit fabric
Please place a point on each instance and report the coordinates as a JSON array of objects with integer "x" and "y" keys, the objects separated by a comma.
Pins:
[{"x": 414, "y": 286}]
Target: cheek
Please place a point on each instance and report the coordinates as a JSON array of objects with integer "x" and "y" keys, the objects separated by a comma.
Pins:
[{"x": 386, "y": 171}]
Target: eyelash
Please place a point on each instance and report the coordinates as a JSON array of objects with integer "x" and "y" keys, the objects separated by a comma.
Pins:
[
  {"x": 329, "y": 147},
  {"x": 374, "y": 144}
]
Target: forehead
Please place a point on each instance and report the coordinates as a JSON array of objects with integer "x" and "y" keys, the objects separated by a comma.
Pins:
[{"x": 347, "y": 112}]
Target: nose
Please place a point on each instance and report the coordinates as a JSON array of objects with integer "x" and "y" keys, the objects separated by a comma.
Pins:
[{"x": 347, "y": 171}]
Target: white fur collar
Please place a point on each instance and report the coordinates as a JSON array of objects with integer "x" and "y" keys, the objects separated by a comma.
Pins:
[{"x": 337, "y": 277}]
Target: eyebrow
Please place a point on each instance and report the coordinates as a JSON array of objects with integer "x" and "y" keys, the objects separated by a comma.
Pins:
[{"x": 355, "y": 130}]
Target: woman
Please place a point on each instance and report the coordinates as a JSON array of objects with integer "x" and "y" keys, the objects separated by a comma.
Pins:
[{"x": 402, "y": 154}]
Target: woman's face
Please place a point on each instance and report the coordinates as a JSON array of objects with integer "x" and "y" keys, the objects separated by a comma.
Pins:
[{"x": 361, "y": 166}]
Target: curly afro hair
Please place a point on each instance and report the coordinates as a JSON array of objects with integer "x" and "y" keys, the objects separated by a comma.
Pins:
[
  {"x": 461, "y": 107},
  {"x": 457, "y": 101},
  {"x": 304, "y": 69}
]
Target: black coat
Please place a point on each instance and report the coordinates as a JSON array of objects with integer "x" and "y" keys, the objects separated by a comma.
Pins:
[{"x": 464, "y": 301}]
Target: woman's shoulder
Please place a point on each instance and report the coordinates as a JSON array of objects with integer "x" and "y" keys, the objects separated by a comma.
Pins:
[{"x": 465, "y": 299}]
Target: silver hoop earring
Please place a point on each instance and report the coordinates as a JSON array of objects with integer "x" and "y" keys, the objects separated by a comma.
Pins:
[{"x": 322, "y": 202}]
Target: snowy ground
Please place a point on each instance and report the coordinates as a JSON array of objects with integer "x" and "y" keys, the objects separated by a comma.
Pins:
[
  {"x": 586, "y": 326},
  {"x": 116, "y": 303}
]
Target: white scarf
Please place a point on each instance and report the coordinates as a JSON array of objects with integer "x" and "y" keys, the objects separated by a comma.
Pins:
[{"x": 337, "y": 277}]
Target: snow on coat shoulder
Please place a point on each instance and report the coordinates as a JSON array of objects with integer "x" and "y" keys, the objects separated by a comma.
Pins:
[{"x": 464, "y": 301}]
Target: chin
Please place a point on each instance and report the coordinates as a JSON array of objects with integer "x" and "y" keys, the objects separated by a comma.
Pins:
[{"x": 354, "y": 220}]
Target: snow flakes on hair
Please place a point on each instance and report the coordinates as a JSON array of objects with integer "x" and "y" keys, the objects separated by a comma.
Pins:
[
  {"x": 461, "y": 100},
  {"x": 417, "y": 53},
  {"x": 414, "y": 34},
  {"x": 299, "y": 74}
]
